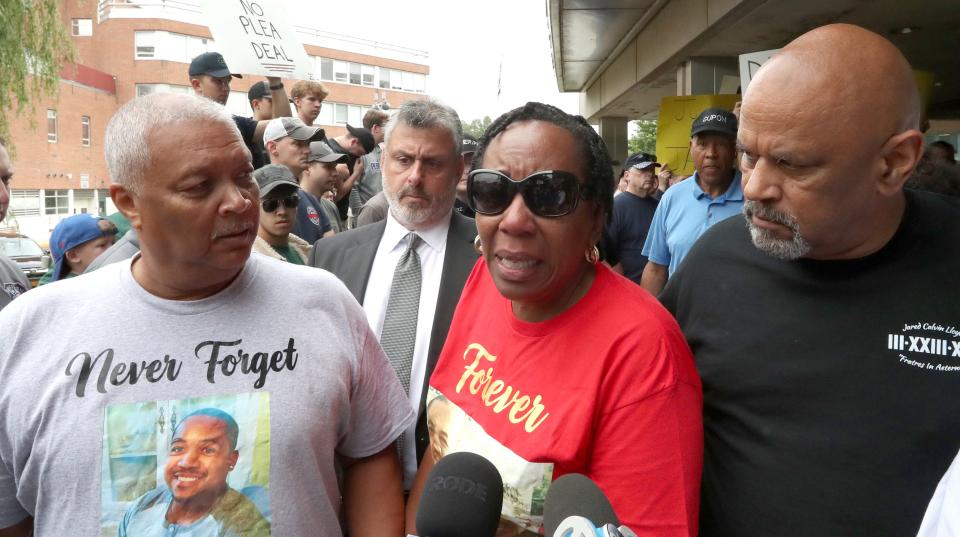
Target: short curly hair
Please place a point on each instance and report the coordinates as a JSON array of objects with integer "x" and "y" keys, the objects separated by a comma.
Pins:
[
  {"x": 595, "y": 156},
  {"x": 302, "y": 88}
]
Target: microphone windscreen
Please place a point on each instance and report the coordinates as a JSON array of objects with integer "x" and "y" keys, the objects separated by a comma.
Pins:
[
  {"x": 462, "y": 498},
  {"x": 576, "y": 495}
]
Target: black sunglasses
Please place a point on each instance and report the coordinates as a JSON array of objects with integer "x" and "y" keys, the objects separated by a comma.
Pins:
[
  {"x": 270, "y": 205},
  {"x": 546, "y": 193}
]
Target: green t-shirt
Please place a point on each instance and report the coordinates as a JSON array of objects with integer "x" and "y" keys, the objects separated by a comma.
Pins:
[
  {"x": 289, "y": 254},
  {"x": 48, "y": 277}
]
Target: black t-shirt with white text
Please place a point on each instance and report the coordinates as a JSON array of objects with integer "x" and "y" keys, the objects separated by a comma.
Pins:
[{"x": 831, "y": 388}]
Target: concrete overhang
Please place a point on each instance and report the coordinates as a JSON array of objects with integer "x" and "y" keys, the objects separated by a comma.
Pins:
[{"x": 623, "y": 54}]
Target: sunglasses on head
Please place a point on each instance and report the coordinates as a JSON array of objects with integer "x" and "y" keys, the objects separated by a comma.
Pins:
[
  {"x": 290, "y": 202},
  {"x": 546, "y": 193}
]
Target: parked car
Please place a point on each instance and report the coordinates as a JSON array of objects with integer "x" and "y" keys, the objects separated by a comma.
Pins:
[{"x": 32, "y": 259}]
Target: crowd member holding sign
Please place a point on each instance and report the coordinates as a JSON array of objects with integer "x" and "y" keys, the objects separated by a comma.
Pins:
[
  {"x": 553, "y": 363},
  {"x": 824, "y": 323},
  {"x": 202, "y": 318},
  {"x": 210, "y": 77}
]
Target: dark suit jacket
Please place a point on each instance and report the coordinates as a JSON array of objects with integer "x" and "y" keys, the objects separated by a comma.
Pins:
[{"x": 349, "y": 256}]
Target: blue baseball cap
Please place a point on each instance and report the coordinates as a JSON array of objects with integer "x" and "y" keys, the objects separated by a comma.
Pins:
[{"x": 72, "y": 232}]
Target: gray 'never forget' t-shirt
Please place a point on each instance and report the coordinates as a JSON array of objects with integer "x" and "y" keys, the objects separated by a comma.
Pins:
[{"x": 97, "y": 374}]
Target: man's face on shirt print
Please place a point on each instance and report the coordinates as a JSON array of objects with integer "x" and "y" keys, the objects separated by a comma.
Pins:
[
  {"x": 439, "y": 413},
  {"x": 199, "y": 460}
]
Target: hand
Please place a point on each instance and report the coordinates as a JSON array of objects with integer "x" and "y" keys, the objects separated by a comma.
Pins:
[{"x": 274, "y": 80}]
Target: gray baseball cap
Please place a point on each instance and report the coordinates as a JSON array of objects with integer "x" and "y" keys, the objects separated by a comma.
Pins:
[
  {"x": 283, "y": 127},
  {"x": 272, "y": 176},
  {"x": 321, "y": 152}
]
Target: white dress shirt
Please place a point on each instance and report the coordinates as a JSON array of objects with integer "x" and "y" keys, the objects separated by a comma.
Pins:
[{"x": 431, "y": 249}]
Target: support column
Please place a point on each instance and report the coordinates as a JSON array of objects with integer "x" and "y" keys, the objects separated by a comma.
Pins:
[{"x": 613, "y": 130}]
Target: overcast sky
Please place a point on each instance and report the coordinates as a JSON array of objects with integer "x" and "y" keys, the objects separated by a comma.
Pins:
[{"x": 467, "y": 43}]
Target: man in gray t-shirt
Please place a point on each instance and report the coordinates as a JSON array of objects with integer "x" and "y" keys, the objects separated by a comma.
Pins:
[
  {"x": 99, "y": 432},
  {"x": 13, "y": 283}
]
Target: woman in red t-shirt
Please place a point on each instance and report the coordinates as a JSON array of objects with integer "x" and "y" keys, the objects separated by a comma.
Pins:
[{"x": 553, "y": 363}]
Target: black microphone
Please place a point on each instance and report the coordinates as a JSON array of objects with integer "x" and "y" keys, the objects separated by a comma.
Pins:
[
  {"x": 576, "y": 495},
  {"x": 463, "y": 497}
]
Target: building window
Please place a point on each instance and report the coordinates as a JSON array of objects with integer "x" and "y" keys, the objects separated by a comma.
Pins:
[
  {"x": 84, "y": 180},
  {"x": 340, "y": 71},
  {"x": 56, "y": 201},
  {"x": 326, "y": 69},
  {"x": 25, "y": 202},
  {"x": 326, "y": 115},
  {"x": 147, "y": 89},
  {"x": 354, "y": 116},
  {"x": 341, "y": 113},
  {"x": 85, "y": 131},
  {"x": 368, "y": 74},
  {"x": 145, "y": 44},
  {"x": 396, "y": 78},
  {"x": 82, "y": 27},
  {"x": 52, "y": 126},
  {"x": 355, "y": 73},
  {"x": 384, "y": 77}
]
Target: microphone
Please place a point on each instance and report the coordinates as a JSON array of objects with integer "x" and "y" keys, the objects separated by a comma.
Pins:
[
  {"x": 576, "y": 507},
  {"x": 462, "y": 497}
]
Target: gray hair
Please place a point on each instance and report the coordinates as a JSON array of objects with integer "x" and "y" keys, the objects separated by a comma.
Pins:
[
  {"x": 427, "y": 114},
  {"x": 126, "y": 143}
]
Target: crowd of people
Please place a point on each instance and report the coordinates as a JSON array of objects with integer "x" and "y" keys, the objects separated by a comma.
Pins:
[{"x": 767, "y": 347}]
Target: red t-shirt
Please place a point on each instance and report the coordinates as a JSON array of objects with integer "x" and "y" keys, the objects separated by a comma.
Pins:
[{"x": 607, "y": 388}]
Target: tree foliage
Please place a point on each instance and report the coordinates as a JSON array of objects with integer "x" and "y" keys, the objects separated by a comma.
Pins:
[
  {"x": 645, "y": 137},
  {"x": 34, "y": 46},
  {"x": 476, "y": 127}
]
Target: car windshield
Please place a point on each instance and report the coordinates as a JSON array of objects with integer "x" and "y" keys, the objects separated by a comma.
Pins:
[{"x": 17, "y": 246}]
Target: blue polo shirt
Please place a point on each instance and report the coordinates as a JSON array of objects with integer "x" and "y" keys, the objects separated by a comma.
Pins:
[{"x": 684, "y": 213}]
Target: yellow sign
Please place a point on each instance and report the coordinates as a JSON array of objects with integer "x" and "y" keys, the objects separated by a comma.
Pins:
[{"x": 673, "y": 127}]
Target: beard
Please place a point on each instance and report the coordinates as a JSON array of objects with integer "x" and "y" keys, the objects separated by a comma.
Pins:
[
  {"x": 412, "y": 217},
  {"x": 765, "y": 241}
]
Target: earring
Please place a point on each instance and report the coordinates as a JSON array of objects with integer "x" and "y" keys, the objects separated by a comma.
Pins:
[
  {"x": 592, "y": 255},
  {"x": 478, "y": 245},
  {"x": 231, "y": 467}
]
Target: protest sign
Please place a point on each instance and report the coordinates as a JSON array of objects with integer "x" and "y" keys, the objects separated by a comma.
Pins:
[
  {"x": 255, "y": 37},
  {"x": 749, "y": 65}
]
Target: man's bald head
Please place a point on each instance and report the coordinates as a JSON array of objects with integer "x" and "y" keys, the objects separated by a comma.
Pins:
[
  {"x": 854, "y": 68},
  {"x": 828, "y": 130}
]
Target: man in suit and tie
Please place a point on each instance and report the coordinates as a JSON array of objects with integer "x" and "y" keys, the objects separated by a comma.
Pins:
[{"x": 409, "y": 269}]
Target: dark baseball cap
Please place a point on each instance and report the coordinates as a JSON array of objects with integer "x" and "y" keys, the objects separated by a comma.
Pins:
[
  {"x": 365, "y": 137},
  {"x": 210, "y": 63},
  {"x": 640, "y": 161},
  {"x": 272, "y": 176},
  {"x": 715, "y": 120},
  {"x": 469, "y": 144},
  {"x": 321, "y": 152},
  {"x": 260, "y": 90}
]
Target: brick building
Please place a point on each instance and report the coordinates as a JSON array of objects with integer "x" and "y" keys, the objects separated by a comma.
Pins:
[{"x": 127, "y": 48}]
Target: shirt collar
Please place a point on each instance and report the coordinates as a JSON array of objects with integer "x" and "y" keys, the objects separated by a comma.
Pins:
[
  {"x": 435, "y": 236},
  {"x": 734, "y": 191}
]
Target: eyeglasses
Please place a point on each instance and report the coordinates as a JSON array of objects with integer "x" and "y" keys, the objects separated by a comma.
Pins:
[
  {"x": 547, "y": 193},
  {"x": 290, "y": 202}
]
